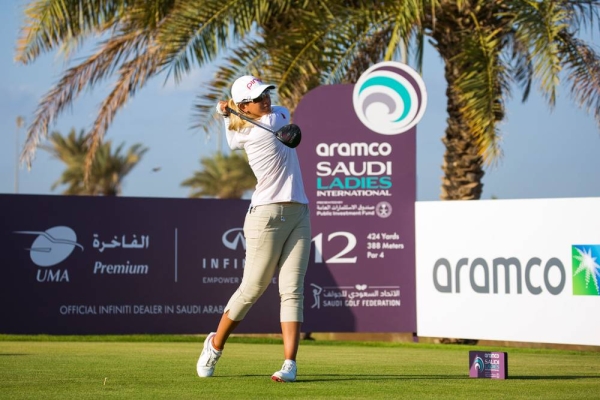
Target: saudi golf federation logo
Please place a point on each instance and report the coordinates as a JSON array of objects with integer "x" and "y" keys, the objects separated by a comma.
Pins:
[
  {"x": 586, "y": 270},
  {"x": 390, "y": 98},
  {"x": 52, "y": 246}
]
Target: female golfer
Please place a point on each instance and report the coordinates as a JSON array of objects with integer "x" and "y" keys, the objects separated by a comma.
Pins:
[{"x": 277, "y": 225}]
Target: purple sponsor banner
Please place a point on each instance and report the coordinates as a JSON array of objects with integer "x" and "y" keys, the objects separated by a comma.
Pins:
[
  {"x": 488, "y": 364},
  {"x": 96, "y": 265},
  {"x": 362, "y": 189}
]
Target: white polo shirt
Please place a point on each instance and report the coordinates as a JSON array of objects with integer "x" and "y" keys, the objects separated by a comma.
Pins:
[{"x": 275, "y": 165}]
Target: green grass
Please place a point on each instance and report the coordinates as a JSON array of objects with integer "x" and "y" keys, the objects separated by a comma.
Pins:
[{"x": 163, "y": 367}]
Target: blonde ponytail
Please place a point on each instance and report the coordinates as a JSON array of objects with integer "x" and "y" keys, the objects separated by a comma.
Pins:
[{"x": 235, "y": 122}]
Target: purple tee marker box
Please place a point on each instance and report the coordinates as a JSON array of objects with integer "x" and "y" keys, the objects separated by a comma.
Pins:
[{"x": 488, "y": 364}]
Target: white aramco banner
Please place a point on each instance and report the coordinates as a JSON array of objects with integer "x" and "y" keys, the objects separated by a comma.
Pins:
[{"x": 515, "y": 270}]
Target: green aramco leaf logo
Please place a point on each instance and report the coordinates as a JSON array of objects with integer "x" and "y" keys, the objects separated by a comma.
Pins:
[{"x": 586, "y": 270}]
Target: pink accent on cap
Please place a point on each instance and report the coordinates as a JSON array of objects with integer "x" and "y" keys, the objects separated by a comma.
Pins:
[{"x": 247, "y": 88}]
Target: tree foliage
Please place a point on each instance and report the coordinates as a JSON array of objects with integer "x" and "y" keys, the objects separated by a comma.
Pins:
[
  {"x": 489, "y": 47},
  {"x": 222, "y": 176},
  {"x": 107, "y": 170}
]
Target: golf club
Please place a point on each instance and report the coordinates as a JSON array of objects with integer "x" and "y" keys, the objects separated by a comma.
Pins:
[{"x": 290, "y": 135}]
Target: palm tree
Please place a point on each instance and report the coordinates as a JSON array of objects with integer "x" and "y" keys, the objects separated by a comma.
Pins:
[
  {"x": 488, "y": 47},
  {"x": 222, "y": 176},
  {"x": 107, "y": 170}
]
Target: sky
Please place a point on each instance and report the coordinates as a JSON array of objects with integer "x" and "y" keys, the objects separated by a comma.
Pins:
[{"x": 547, "y": 153}]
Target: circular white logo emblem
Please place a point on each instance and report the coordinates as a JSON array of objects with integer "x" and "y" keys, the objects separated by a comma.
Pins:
[
  {"x": 383, "y": 209},
  {"x": 390, "y": 98}
]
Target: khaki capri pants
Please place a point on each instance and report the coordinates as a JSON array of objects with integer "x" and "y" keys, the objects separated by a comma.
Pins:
[{"x": 277, "y": 239}]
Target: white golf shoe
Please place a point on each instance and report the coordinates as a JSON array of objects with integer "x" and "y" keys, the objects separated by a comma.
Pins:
[
  {"x": 208, "y": 358},
  {"x": 287, "y": 373}
]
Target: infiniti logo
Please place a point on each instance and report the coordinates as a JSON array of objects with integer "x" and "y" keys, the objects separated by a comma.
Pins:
[{"x": 233, "y": 237}]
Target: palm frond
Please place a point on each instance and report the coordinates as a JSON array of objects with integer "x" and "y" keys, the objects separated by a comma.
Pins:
[
  {"x": 245, "y": 59},
  {"x": 51, "y": 23},
  {"x": 519, "y": 58},
  {"x": 483, "y": 85},
  {"x": 105, "y": 175},
  {"x": 85, "y": 75},
  {"x": 133, "y": 75},
  {"x": 538, "y": 25},
  {"x": 583, "y": 72},
  {"x": 222, "y": 176}
]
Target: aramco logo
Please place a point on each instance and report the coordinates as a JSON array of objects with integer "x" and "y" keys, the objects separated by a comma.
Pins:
[{"x": 586, "y": 269}]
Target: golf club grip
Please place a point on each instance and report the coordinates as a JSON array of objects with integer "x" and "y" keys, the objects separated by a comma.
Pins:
[
  {"x": 289, "y": 135},
  {"x": 232, "y": 111}
]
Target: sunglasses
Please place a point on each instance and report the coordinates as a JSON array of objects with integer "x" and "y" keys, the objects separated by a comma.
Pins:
[{"x": 260, "y": 98}]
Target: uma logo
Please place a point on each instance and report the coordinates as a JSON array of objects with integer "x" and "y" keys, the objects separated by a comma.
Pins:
[
  {"x": 390, "y": 98},
  {"x": 52, "y": 246},
  {"x": 586, "y": 270}
]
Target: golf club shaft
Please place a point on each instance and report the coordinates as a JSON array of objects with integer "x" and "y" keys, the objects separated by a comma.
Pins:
[{"x": 248, "y": 119}]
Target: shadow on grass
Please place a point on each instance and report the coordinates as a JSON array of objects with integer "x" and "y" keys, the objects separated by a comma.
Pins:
[
  {"x": 379, "y": 377},
  {"x": 362, "y": 377},
  {"x": 552, "y": 377},
  {"x": 357, "y": 377}
]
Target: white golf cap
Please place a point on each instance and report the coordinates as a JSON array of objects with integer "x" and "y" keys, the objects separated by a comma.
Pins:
[{"x": 247, "y": 88}]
